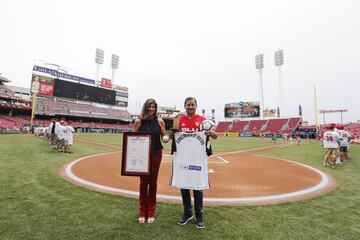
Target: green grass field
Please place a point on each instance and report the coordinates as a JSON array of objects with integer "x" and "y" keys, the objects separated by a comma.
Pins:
[{"x": 36, "y": 203}]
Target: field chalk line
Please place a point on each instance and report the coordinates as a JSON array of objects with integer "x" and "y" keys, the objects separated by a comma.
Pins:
[{"x": 250, "y": 200}]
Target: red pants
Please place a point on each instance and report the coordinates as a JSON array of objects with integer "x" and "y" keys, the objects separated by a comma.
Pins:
[{"x": 148, "y": 186}]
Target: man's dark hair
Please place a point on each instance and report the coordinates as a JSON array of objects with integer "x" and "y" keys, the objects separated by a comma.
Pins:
[{"x": 189, "y": 99}]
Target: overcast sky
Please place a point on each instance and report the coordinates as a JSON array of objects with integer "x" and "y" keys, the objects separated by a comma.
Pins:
[{"x": 173, "y": 49}]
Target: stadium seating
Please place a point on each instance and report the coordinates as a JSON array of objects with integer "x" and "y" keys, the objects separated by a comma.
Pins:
[
  {"x": 16, "y": 123},
  {"x": 292, "y": 124},
  {"x": 256, "y": 126},
  {"x": 353, "y": 128},
  {"x": 286, "y": 125},
  {"x": 7, "y": 93},
  {"x": 239, "y": 126},
  {"x": 8, "y": 124},
  {"x": 77, "y": 124},
  {"x": 223, "y": 126},
  {"x": 51, "y": 107},
  {"x": 16, "y": 120},
  {"x": 16, "y": 105},
  {"x": 275, "y": 125}
]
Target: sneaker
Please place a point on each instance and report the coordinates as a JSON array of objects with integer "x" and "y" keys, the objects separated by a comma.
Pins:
[
  {"x": 199, "y": 222},
  {"x": 184, "y": 219}
]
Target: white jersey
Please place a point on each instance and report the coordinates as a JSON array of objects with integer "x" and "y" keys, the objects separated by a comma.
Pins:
[
  {"x": 190, "y": 162},
  {"x": 51, "y": 125},
  {"x": 57, "y": 125},
  {"x": 331, "y": 139},
  {"x": 69, "y": 134},
  {"x": 345, "y": 135},
  {"x": 61, "y": 133}
]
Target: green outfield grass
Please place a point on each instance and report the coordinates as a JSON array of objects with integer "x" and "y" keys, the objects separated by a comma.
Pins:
[{"x": 35, "y": 203}]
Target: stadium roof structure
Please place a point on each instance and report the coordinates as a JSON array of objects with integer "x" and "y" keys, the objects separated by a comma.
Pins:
[
  {"x": 333, "y": 111},
  {"x": 19, "y": 89},
  {"x": 3, "y": 79}
]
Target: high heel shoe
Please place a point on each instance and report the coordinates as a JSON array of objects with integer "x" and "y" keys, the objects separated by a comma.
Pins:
[{"x": 141, "y": 220}]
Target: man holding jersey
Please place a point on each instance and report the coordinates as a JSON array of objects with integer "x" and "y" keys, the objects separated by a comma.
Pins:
[{"x": 190, "y": 123}]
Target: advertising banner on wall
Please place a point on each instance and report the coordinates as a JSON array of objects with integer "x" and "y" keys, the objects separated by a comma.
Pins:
[
  {"x": 46, "y": 88},
  {"x": 45, "y": 85},
  {"x": 44, "y": 71},
  {"x": 242, "y": 110},
  {"x": 105, "y": 83},
  {"x": 122, "y": 96},
  {"x": 121, "y": 103}
]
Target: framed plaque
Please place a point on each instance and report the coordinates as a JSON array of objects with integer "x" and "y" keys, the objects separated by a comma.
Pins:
[{"x": 136, "y": 154}]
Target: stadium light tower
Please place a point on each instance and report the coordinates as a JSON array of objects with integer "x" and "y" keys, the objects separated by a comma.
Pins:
[
  {"x": 259, "y": 64},
  {"x": 99, "y": 59},
  {"x": 279, "y": 61},
  {"x": 114, "y": 66}
]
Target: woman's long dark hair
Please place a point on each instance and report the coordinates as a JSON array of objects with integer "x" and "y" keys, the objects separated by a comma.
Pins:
[{"x": 144, "y": 111}]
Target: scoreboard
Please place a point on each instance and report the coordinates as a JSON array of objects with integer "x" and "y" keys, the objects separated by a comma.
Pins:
[{"x": 83, "y": 92}]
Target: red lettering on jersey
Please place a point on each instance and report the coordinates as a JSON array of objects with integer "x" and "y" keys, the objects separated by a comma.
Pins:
[{"x": 329, "y": 138}]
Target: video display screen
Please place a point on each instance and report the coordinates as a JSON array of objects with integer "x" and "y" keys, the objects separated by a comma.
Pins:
[
  {"x": 242, "y": 110},
  {"x": 83, "y": 92}
]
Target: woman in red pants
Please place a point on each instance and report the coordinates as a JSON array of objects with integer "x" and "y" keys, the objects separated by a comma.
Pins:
[{"x": 149, "y": 122}]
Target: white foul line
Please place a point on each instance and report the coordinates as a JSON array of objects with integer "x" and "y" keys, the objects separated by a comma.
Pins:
[{"x": 222, "y": 159}]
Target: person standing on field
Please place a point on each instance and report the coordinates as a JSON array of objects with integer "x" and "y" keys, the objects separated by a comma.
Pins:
[
  {"x": 61, "y": 134},
  {"x": 331, "y": 140},
  {"x": 344, "y": 143},
  {"x": 69, "y": 137},
  {"x": 298, "y": 138},
  {"x": 52, "y": 130},
  {"x": 149, "y": 122},
  {"x": 190, "y": 122}
]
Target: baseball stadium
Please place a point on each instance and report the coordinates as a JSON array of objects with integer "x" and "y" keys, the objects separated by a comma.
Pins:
[{"x": 266, "y": 172}]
